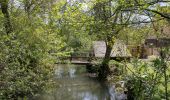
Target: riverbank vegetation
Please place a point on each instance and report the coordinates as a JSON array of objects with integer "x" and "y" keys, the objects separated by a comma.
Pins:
[
  {"x": 36, "y": 34},
  {"x": 143, "y": 79}
]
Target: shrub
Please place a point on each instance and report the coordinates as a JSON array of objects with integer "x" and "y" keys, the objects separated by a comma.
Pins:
[{"x": 25, "y": 64}]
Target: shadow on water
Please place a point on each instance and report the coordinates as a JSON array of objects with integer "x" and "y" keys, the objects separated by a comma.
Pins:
[{"x": 75, "y": 84}]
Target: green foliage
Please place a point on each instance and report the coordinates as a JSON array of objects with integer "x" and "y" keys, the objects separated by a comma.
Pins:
[
  {"x": 26, "y": 65},
  {"x": 72, "y": 26},
  {"x": 27, "y": 54},
  {"x": 35, "y": 33},
  {"x": 134, "y": 35},
  {"x": 145, "y": 80}
]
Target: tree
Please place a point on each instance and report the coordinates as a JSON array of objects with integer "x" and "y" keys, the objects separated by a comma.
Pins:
[
  {"x": 4, "y": 9},
  {"x": 111, "y": 17},
  {"x": 26, "y": 59},
  {"x": 109, "y": 20}
]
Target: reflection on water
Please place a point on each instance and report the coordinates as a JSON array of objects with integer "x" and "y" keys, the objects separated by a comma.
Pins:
[
  {"x": 74, "y": 84},
  {"x": 112, "y": 92},
  {"x": 72, "y": 72}
]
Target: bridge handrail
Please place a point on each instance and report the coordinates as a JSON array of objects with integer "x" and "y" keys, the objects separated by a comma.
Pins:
[{"x": 80, "y": 54}]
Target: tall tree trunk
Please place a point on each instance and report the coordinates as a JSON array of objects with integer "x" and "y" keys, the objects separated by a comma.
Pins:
[
  {"x": 104, "y": 68},
  {"x": 4, "y": 9}
]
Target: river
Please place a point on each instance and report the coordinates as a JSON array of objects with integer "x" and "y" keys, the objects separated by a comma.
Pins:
[{"x": 74, "y": 83}]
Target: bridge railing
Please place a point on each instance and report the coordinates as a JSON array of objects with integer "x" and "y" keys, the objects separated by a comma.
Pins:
[{"x": 80, "y": 54}]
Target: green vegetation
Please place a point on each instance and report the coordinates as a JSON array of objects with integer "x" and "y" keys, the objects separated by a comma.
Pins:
[
  {"x": 143, "y": 79},
  {"x": 36, "y": 34}
]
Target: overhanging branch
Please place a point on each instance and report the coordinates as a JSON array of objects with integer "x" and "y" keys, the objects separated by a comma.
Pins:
[{"x": 159, "y": 13}]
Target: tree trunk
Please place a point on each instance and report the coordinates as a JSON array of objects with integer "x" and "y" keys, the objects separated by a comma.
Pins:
[
  {"x": 4, "y": 9},
  {"x": 104, "y": 68}
]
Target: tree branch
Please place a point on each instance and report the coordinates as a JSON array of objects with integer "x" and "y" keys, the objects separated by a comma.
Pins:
[{"x": 159, "y": 13}]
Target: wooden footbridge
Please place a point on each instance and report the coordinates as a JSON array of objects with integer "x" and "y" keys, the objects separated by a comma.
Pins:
[
  {"x": 119, "y": 51},
  {"x": 81, "y": 58}
]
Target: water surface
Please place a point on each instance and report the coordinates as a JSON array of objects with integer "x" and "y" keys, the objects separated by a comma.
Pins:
[{"x": 75, "y": 84}]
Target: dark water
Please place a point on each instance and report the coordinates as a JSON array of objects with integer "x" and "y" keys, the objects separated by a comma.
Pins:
[{"x": 75, "y": 84}]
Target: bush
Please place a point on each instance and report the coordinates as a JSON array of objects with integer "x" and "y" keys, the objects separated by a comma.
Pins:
[
  {"x": 25, "y": 64},
  {"x": 145, "y": 79}
]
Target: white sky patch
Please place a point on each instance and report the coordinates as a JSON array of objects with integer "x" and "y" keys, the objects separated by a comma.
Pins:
[
  {"x": 85, "y": 7},
  {"x": 18, "y": 4},
  {"x": 140, "y": 18},
  {"x": 164, "y": 4}
]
